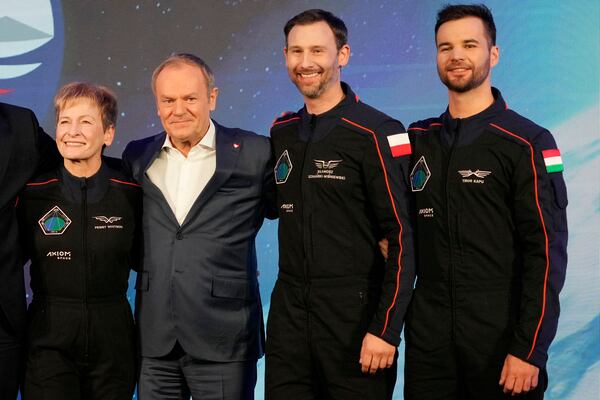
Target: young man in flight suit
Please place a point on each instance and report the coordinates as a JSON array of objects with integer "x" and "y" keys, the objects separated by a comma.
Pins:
[
  {"x": 491, "y": 231},
  {"x": 338, "y": 307}
]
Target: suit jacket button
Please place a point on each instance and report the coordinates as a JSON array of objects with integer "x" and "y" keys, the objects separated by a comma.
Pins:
[{"x": 179, "y": 236}]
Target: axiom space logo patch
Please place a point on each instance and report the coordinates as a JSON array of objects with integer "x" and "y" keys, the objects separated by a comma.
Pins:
[
  {"x": 287, "y": 207},
  {"x": 283, "y": 168},
  {"x": 54, "y": 222},
  {"x": 426, "y": 212},
  {"x": 63, "y": 255}
]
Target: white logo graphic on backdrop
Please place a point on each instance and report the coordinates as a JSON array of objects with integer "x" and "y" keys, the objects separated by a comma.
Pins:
[{"x": 25, "y": 25}]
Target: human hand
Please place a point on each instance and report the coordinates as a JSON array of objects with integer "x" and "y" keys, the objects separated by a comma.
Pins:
[
  {"x": 518, "y": 376},
  {"x": 383, "y": 247},
  {"x": 376, "y": 354}
]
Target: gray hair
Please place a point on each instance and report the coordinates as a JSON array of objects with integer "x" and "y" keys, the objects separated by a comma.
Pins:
[{"x": 189, "y": 59}]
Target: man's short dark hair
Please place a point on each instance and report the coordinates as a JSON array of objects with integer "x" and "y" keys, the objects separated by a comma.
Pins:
[
  {"x": 459, "y": 11},
  {"x": 340, "y": 32}
]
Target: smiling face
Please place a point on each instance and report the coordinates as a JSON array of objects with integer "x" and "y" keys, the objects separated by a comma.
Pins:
[
  {"x": 313, "y": 60},
  {"x": 184, "y": 103},
  {"x": 464, "y": 54},
  {"x": 80, "y": 134}
]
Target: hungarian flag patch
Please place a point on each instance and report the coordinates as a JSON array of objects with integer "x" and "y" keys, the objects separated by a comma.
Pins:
[
  {"x": 553, "y": 160},
  {"x": 399, "y": 144}
]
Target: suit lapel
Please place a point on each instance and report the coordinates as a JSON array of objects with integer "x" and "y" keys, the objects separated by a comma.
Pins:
[
  {"x": 227, "y": 155},
  {"x": 150, "y": 153},
  {"x": 150, "y": 189}
]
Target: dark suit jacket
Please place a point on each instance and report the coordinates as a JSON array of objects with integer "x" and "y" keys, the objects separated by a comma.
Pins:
[
  {"x": 25, "y": 151},
  {"x": 199, "y": 286}
]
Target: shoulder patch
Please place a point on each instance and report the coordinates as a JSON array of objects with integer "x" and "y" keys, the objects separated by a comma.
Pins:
[
  {"x": 553, "y": 160},
  {"x": 399, "y": 144}
]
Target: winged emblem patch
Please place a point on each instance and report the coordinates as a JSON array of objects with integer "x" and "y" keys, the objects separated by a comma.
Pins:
[
  {"x": 466, "y": 173},
  {"x": 107, "y": 220},
  {"x": 331, "y": 164}
]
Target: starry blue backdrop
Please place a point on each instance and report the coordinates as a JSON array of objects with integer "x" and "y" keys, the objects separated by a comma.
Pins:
[{"x": 548, "y": 71}]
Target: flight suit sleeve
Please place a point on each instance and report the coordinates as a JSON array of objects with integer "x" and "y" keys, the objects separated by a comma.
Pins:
[
  {"x": 386, "y": 167},
  {"x": 540, "y": 201}
]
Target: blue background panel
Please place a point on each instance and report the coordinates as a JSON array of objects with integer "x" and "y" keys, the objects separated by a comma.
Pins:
[{"x": 548, "y": 71}]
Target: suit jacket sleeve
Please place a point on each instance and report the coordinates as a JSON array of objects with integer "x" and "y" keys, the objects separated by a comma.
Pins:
[
  {"x": 48, "y": 156},
  {"x": 269, "y": 189},
  {"x": 136, "y": 252},
  {"x": 25, "y": 234}
]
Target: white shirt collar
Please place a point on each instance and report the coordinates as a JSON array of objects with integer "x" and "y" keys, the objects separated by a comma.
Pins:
[{"x": 207, "y": 141}]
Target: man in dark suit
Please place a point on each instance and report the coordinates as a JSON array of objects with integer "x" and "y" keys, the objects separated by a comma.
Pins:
[
  {"x": 24, "y": 150},
  {"x": 206, "y": 189}
]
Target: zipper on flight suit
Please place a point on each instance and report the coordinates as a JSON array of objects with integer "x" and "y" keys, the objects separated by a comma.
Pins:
[
  {"x": 84, "y": 249},
  {"x": 451, "y": 241},
  {"x": 307, "y": 225}
]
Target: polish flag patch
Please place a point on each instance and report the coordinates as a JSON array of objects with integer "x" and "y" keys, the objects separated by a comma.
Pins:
[
  {"x": 399, "y": 144},
  {"x": 553, "y": 160}
]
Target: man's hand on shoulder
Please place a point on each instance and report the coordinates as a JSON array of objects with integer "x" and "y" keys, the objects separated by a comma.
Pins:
[
  {"x": 376, "y": 354},
  {"x": 383, "y": 247},
  {"x": 518, "y": 376}
]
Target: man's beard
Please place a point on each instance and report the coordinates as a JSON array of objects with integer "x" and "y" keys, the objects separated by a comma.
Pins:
[
  {"x": 478, "y": 76},
  {"x": 315, "y": 91}
]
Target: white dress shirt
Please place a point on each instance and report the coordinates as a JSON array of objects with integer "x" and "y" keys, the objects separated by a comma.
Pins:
[{"x": 181, "y": 179}]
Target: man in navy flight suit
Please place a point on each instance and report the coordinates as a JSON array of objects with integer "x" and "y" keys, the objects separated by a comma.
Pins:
[
  {"x": 338, "y": 307},
  {"x": 491, "y": 231}
]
